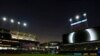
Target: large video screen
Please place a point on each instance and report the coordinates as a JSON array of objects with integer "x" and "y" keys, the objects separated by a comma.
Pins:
[{"x": 86, "y": 35}]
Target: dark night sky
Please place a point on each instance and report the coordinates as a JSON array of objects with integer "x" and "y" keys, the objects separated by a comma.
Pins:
[{"x": 49, "y": 19}]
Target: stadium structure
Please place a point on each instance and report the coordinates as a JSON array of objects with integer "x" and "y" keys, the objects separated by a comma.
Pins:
[
  {"x": 51, "y": 47},
  {"x": 85, "y": 42},
  {"x": 17, "y": 42}
]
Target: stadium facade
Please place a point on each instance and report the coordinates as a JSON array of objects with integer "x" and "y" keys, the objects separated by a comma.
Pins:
[
  {"x": 17, "y": 42},
  {"x": 51, "y": 47}
]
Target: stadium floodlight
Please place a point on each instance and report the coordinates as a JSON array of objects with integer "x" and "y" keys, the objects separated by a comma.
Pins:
[
  {"x": 70, "y": 19},
  {"x": 84, "y": 14},
  {"x": 18, "y": 23},
  {"x": 24, "y": 24},
  {"x": 4, "y": 19},
  {"x": 12, "y": 20},
  {"x": 77, "y": 17}
]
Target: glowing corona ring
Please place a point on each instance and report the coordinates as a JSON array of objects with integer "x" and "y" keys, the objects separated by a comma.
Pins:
[
  {"x": 91, "y": 35},
  {"x": 71, "y": 37}
]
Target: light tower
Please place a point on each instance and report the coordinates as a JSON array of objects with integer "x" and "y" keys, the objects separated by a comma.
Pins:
[
  {"x": 24, "y": 24},
  {"x": 11, "y": 24},
  {"x": 12, "y": 20},
  {"x": 4, "y": 20},
  {"x": 79, "y": 22},
  {"x": 18, "y": 22},
  {"x": 84, "y": 14},
  {"x": 70, "y": 19}
]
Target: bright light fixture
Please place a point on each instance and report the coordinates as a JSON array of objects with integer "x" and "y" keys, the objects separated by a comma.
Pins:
[
  {"x": 12, "y": 20},
  {"x": 70, "y": 19},
  {"x": 77, "y": 17},
  {"x": 18, "y": 23},
  {"x": 84, "y": 14},
  {"x": 4, "y": 19},
  {"x": 25, "y": 24}
]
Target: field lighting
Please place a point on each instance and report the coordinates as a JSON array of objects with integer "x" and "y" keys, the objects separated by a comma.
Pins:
[
  {"x": 70, "y": 19},
  {"x": 79, "y": 21},
  {"x": 84, "y": 14},
  {"x": 18, "y": 23},
  {"x": 77, "y": 17},
  {"x": 4, "y": 19},
  {"x": 12, "y": 21},
  {"x": 24, "y": 24}
]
